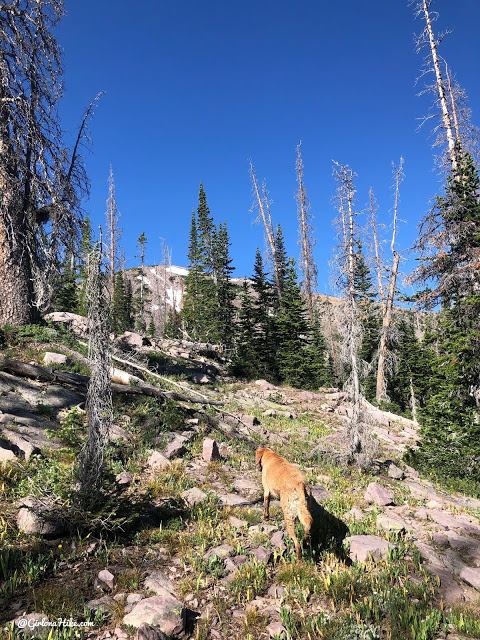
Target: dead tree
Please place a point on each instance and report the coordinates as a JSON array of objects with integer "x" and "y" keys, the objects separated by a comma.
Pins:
[
  {"x": 387, "y": 303},
  {"x": 99, "y": 395},
  {"x": 113, "y": 230},
  {"x": 345, "y": 201},
  {"x": 427, "y": 39},
  {"x": 263, "y": 203},
  {"x": 306, "y": 240}
]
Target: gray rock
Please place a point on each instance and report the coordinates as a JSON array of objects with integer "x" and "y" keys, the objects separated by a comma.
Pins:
[
  {"x": 33, "y": 625},
  {"x": 117, "y": 433},
  {"x": 58, "y": 397},
  {"x": 262, "y": 528},
  {"x": 277, "y": 540},
  {"x": 364, "y": 547},
  {"x": 133, "y": 598},
  {"x": 264, "y": 385},
  {"x": 146, "y": 632},
  {"x": 194, "y": 496},
  {"x": 210, "y": 450},
  {"x": 261, "y": 554},
  {"x": 165, "y": 612},
  {"x": 130, "y": 339},
  {"x": 6, "y": 452},
  {"x": 158, "y": 461},
  {"x": 276, "y": 591},
  {"x": 105, "y": 604},
  {"x": 378, "y": 494},
  {"x": 34, "y": 517},
  {"x": 200, "y": 378},
  {"x": 54, "y": 358},
  {"x": 237, "y": 523},
  {"x": 395, "y": 472},
  {"x": 246, "y": 486},
  {"x": 124, "y": 478},
  {"x": 277, "y": 631},
  {"x": 355, "y": 513},
  {"x": 175, "y": 448},
  {"x": 389, "y": 522},
  {"x": 107, "y": 578},
  {"x": 78, "y": 324},
  {"x": 471, "y": 576},
  {"x": 223, "y": 551},
  {"x": 20, "y": 445},
  {"x": 158, "y": 582},
  {"x": 232, "y": 499},
  {"x": 120, "y": 634}
]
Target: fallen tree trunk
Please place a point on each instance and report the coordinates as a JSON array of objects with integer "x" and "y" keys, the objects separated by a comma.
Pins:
[{"x": 75, "y": 379}]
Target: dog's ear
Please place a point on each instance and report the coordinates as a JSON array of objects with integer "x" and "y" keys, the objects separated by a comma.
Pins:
[{"x": 258, "y": 458}]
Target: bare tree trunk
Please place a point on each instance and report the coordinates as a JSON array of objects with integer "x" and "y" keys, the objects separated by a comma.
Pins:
[
  {"x": 99, "y": 395},
  {"x": 378, "y": 262},
  {"x": 112, "y": 228},
  {"x": 413, "y": 401},
  {"x": 387, "y": 311},
  {"x": 333, "y": 350},
  {"x": 307, "y": 241},
  {"x": 428, "y": 37},
  {"x": 345, "y": 198},
  {"x": 264, "y": 209}
]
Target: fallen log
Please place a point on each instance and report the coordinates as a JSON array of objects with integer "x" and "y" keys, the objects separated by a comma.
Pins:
[{"x": 75, "y": 379}]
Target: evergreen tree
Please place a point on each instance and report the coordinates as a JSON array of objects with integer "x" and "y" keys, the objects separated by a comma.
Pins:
[
  {"x": 129, "y": 310},
  {"x": 292, "y": 331},
  {"x": 206, "y": 236},
  {"x": 245, "y": 358},
  {"x": 173, "y": 325},
  {"x": 225, "y": 289},
  {"x": 65, "y": 297},
  {"x": 263, "y": 337},
  {"x": 317, "y": 368},
  {"x": 142, "y": 298},
  {"x": 450, "y": 423},
  {"x": 282, "y": 263},
  {"x": 151, "y": 328}
]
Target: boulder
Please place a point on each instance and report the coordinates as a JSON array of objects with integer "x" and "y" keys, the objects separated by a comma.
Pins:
[
  {"x": 106, "y": 578},
  {"x": 158, "y": 582},
  {"x": 124, "y": 479},
  {"x": 54, "y": 358},
  {"x": 35, "y": 517},
  {"x": 194, "y": 496},
  {"x": 19, "y": 445},
  {"x": 471, "y": 576},
  {"x": 175, "y": 448},
  {"x": 363, "y": 548},
  {"x": 200, "y": 378},
  {"x": 130, "y": 339},
  {"x": 395, "y": 472},
  {"x": 232, "y": 499},
  {"x": 261, "y": 554},
  {"x": 165, "y": 612},
  {"x": 105, "y": 604},
  {"x": 117, "y": 433},
  {"x": 6, "y": 452},
  {"x": 33, "y": 625},
  {"x": 378, "y": 494},
  {"x": 277, "y": 540},
  {"x": 210, "y": 450},
  {"x": 158, "y": 461},
  {"x": 277, "y": 631},
  {"x": 78, "y": 324},
  {"x": 389, "y": 522},
  {"x": 223, "y": 551},
  {"x": 237, "y": 523},
  {"x": 264, "y": 385},
  {"x": 146, "y": 632}
]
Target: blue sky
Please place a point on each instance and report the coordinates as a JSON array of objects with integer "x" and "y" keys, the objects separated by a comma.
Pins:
[{"x": 194, "y": 89}]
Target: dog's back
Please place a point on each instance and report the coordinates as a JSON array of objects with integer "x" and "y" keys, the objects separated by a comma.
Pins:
[{"x": 283, "y": 480}]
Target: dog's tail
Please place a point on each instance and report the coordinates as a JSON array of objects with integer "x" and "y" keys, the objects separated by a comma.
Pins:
[{"x": 304, "y": 494}]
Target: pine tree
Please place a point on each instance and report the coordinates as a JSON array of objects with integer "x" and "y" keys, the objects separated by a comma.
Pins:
[
  {"x": 245, "y": 360},
  {"x": 317, "y": 367},
  {"x": 225, "y": 289},
  {"x": 151, "y": 330},
  {"x": 191, "y": 301},
  {"x": 264, "y": 339},
  {"x": 206, "y": 235},
  {"x": 450, "y": 422},
  {"x": 65, "y": 297},
  {"x": 292, "y": 330},
  {"x": 142, "y": 295},
  {"x": 282, "y": 263},
  {"x": 173, "y": 325}
]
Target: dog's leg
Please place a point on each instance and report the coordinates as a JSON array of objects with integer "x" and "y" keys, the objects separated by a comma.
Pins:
[
  {"x": 266, "y": 505},
  {"x": 306, "y": 519},
  {"x": 289, "y": 513}
]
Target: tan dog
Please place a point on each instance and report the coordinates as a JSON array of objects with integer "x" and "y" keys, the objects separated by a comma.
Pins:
[{"x": 282, "y": 480}]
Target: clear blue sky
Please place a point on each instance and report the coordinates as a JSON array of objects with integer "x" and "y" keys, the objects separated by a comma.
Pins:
[{"x": 194, "y": 89}]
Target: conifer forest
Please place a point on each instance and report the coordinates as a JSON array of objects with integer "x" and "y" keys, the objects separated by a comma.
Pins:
[{"x": 134, "y": 394}]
